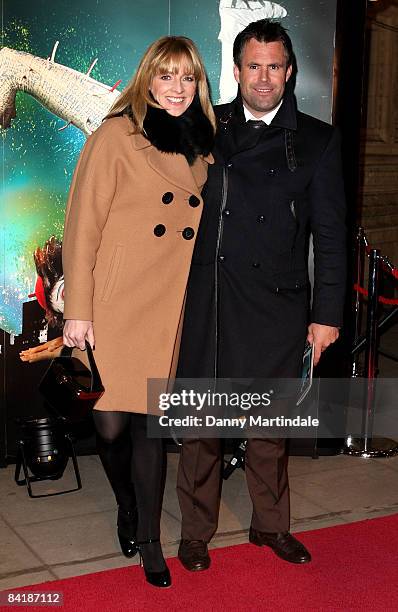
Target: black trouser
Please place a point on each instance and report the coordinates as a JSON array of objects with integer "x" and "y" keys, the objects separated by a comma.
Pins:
[{"x": 134, "y": 465}]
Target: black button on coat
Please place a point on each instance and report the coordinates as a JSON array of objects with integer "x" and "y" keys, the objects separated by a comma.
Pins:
[
  {"x": 167, "y": 197},
  {"x": 193, "y": 201}
]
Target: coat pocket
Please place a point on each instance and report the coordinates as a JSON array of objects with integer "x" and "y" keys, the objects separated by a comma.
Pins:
[
  {"x": 113, "y": 270},
  {"x": 292, "y": 280}
]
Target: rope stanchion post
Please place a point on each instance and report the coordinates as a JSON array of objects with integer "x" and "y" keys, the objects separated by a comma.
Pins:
[
  {"x": 358, "y": 304},
  {"x": 371, "y": 347},
  {"x": 369, "y": 446},
  {"x": 385, "y": 320}
]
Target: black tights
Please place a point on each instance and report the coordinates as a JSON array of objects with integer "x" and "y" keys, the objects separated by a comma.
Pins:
[{"x": 134, "y": 465}]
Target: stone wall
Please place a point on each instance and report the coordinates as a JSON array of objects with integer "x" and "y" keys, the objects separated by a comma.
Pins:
[{"x": 378, "y": 201}]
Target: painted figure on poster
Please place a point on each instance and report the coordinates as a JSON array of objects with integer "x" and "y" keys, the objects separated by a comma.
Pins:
[
  {"x": 69, "y": 94},
  {"x": 49, "y": 292}
]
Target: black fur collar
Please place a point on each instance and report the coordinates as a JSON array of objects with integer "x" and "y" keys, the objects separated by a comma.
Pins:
[{"x": 190, "y": 134}]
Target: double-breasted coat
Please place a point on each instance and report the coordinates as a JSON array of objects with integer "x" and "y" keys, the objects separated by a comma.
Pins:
[
  {"x": 248, "y": 306},
  {"x": 130, "y": 227},
  {"x": 267, "y": 191}
]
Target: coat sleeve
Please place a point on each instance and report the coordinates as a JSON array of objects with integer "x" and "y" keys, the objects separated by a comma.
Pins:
[
  {"x": 89, "y": 202},
  {"x": 328, "y": 226}
]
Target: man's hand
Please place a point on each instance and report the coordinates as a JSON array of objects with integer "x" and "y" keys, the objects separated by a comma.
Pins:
[
  {"x": 77, "y": 332},
  {"x": 321, "y": 336}
]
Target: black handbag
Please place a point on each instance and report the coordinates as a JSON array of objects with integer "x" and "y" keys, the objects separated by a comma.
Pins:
[{"x": 72, "y": 384}]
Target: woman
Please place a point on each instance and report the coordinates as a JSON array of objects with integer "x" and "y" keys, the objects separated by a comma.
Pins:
[{"x": 132, "y": 216}]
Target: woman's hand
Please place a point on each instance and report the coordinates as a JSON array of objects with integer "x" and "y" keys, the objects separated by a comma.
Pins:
[{"x": 77, "y": 332}]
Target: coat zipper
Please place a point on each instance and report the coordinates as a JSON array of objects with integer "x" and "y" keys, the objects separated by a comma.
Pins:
[{"x": 224, "y": 195}]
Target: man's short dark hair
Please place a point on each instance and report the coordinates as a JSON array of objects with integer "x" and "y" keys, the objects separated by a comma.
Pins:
[{"x": 266, "y": 31}]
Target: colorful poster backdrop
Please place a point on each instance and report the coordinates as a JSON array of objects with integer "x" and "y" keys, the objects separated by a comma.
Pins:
[{"x": 39, "y": 149}]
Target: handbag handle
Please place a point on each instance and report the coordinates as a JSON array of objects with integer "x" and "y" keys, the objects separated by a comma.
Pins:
[{"x": 96, "y": 382}]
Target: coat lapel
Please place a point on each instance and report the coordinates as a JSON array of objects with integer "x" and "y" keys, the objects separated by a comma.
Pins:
[
  {"x": 199, "y": 170},
  {"x": 175, "y": 168},
  {"x": 231, "y": 139}
]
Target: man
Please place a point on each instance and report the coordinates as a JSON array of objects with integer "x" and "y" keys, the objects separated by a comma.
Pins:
[{"x": 276, "y": 179}]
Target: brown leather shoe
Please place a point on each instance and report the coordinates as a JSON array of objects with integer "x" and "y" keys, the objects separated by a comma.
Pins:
[
  {"x": 194, "y": 555},
  {"x": 283, "y": 544}
]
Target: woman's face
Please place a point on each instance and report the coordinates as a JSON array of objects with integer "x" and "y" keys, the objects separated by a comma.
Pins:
[{"x": 174, "y": 92}]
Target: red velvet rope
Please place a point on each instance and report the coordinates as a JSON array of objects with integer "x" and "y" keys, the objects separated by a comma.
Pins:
[
  {"x": 385, "y": 263},
  {"x": 387, "y": 267},
  {"x": 382, "y": 299}
]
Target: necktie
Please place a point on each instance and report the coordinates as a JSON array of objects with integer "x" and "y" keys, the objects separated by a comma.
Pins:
[
  {"x": 256, "y": 123},
  {"x": 247, "y": 134}
]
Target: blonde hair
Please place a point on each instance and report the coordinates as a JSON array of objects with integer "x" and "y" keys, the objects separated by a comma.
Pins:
[{"x": 164, "y": 55}]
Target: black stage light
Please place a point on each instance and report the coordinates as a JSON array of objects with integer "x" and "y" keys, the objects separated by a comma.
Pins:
[{"x": 44, "y": 448}]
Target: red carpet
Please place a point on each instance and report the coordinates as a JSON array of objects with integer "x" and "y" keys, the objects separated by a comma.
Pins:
[{"x": 354, "y": 568}]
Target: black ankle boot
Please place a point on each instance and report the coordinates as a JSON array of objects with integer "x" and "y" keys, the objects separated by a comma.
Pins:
[
  {"x": 156, "y": 578},
  {"x": 126, "y": 530}
]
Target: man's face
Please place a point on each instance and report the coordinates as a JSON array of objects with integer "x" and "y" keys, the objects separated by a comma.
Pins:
[{"x": 262, "y": 76}]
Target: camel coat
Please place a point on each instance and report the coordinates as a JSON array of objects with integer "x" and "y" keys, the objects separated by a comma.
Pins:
[{"x": 130, "y": 227}]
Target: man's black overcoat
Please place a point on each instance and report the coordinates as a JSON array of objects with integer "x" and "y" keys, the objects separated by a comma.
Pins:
[{"x": 247, "y": 307}]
